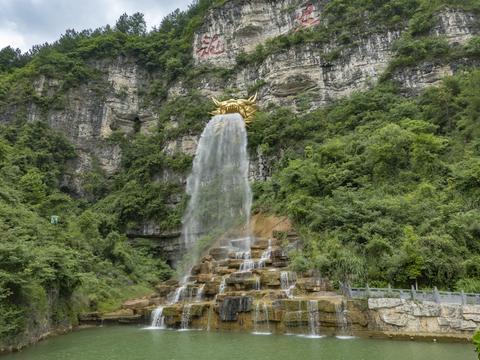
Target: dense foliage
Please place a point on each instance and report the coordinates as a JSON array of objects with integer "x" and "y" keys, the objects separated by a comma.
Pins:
[
  {"x": 476, "y": 342},
  {"x": 49, "y": 272},
  {"x": 385, "y": 188}
]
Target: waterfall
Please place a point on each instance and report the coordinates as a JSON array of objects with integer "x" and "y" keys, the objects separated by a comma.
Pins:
[
  {"x": 223, "y": 285},
  {"x": 313, "y": 321},
  {"x": 179, "y": 294},
  {"x": 261, "y": 315},
  {"x": 288, "y": 281},
  {"x": 257, "y": 283},
  {"x": 186, "y": 317},
  {"x": 220, "y": 198},
  {"x": 266, "y": 255},
  {"x": 209, "y": 319},
  {"x": 343, "y": 326},
  {"x": 158, "y": 321},
  {"x": 200, "y": 292},
  {"x": 247, "y": 264},
  {"x": 220, "y": 194}
]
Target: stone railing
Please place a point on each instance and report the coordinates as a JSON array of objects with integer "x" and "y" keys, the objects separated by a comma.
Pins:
[{"x": 440, "y": 297}]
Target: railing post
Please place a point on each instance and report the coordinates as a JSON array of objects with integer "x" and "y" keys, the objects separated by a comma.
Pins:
[
  {"x": 349, "y": 291},
  {"x": 464, "y": 297},
  {"x": 367, "y": 291},
  {"x": 436, "y": 295},
  {"x": 413, "y": 293}
]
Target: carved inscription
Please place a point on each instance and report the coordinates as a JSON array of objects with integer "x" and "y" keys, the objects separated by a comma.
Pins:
[{"x": 211, "y": 46}]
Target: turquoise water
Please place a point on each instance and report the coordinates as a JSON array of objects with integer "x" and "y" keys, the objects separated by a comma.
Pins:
[{"x": 133, "y": 343}]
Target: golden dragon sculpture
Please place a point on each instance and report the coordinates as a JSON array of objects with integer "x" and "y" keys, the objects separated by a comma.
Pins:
[{"x": 245, "y": 107}]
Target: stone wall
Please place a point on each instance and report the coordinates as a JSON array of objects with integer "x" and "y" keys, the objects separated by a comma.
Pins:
[{"x": 407, "y": 316}]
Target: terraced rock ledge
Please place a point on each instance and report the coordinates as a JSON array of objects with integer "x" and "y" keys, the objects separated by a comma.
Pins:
[{"x": 254, "y": 291}]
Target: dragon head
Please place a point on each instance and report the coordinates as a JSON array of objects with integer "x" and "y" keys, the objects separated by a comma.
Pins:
[{"x": 245, "y": 107}]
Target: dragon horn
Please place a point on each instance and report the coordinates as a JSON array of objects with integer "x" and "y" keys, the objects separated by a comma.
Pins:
[
  {"x": 253, "y": 98},
  {"x": 215, "y": 101}
]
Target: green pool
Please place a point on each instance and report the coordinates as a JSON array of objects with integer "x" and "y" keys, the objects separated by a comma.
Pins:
[{"x": 134, "y": 343}]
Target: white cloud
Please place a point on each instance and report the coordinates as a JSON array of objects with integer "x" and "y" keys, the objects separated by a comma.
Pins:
[
  {"x": 10, "y": 36},
  {"x": 24, "y": 23}
]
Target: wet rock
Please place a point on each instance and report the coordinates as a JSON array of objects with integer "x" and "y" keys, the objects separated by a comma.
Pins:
[
  {"x": 296, "y": 318},
  {"x": 122, "y": 316},
  {"x": 164, "y": 290},
  {"x": 171, "y": 282},
  {"x": 219, "y": 253},
  {"x": 269, "y": 278},
  {"x": 206, "y": 267},
  {"x": 231, "y": 306},
  {"x": 234, "y": 263},
  {"x": 90, "y": 316},
  {"x": 223, "y": 270},
  {"x": 204, "y": 278}
]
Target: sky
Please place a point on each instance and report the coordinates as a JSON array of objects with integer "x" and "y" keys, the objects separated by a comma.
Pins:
[{"x": 24, "y": 23}]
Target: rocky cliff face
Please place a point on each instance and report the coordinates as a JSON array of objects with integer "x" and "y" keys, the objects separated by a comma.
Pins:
[{"x": 116, "y": 101}]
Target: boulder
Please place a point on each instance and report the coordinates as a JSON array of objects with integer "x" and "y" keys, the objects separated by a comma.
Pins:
[
  {"x": 206, "y": 267},
  {"x": 204, "y": 278},
  {"x": 269, "y": 278},
  {"x": 234, "y": 263},
  {"x": 90, "y": 316},
  {"x": 136, "y": 304},
  {"x": 393, "y": 318}
]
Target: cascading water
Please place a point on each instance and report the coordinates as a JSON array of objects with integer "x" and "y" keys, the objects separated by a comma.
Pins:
[
  {"x": 257, "y": 283},
  {"x": 247, "y": 264},
  {"x": 261, "y": 316},
  {"x": 223, "y": 285},
  {"x": 186, "y": 317},
  {"x": 158, "y": 321},
  {"x": 220, "y": 194},
  {"x": 288, "y": 281},
  {"x": 343, "y": 326},
  {"x": 266, "y": 255},
  {"x": 200, "y": 292},
  {"x": 313, "y": 321}
]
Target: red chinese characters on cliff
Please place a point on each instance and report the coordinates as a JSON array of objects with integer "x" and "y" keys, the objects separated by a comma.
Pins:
[
  {"x": 307, "y": 17},
  {"x": 210, "y": 46}
]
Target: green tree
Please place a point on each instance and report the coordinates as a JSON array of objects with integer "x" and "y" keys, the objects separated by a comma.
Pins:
[
  {"x": 132, "y": 25},
  {"x": 476, "y": 342}
]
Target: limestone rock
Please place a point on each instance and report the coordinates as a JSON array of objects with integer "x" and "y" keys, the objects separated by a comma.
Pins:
[
  {"x": 396, "y": 319},
  {"x": 136, "y": 304},
  {"x": 374, "y": 303},
  {"x": 427, "y": 309},
  {"x": 219, "y": 253}
]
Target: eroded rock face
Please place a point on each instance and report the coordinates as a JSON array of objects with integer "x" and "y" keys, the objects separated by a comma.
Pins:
[
  {"x": 88, "y": 114},
  {"x": 239, "y": 26},
  {"x": 456, "y": 25}
]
